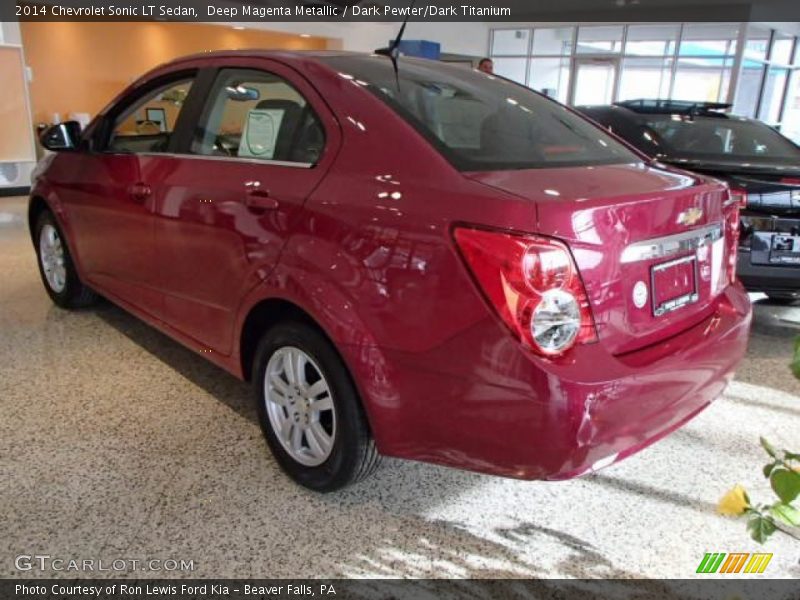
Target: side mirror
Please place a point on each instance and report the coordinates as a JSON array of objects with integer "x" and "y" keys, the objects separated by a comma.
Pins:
[{"x": 62, "y": 136}]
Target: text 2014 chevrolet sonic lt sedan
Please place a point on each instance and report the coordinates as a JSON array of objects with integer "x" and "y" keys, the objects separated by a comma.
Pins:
[{"x": 433, "y": 264}]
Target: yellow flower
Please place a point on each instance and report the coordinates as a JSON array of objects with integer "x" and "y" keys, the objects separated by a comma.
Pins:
[{"x": 734, "y": 503}]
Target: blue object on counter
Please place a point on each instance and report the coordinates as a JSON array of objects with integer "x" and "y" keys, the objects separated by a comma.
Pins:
[{"x": 420, "y": 49}]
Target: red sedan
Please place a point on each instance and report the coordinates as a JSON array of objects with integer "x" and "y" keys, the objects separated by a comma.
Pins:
[{"x": 430, "y": 263}]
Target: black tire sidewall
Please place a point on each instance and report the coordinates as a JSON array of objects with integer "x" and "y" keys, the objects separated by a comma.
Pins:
[{"x": 351, "y": 430}]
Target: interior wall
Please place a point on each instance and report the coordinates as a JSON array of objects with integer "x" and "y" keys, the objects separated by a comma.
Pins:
[
  {"x": 17, "y": 152},
  {"x": 80, "y": 67},
  {"x": 349, "y": 36},
  {"x": 9, "y": 32},
  {"x": 16, "y": 142},
  {"x": 470, "y": 37}
]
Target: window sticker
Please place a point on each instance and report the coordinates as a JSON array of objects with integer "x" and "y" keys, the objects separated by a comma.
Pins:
[{"x": 260, "y": 133}]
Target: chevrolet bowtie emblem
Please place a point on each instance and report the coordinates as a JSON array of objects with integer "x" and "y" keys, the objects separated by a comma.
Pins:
[{"x": 690, "y": 216}]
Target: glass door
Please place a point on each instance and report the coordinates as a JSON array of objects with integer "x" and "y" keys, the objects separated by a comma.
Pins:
[{"x": 594, "y": 80}]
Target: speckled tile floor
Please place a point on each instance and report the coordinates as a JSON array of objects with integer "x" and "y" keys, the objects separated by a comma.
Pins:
[{"x": 116, "y": 442}]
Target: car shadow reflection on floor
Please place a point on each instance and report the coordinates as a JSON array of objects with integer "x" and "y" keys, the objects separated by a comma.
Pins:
[
  {"x": 221, "y": 385},
  {"x": 413, "y": 545}
]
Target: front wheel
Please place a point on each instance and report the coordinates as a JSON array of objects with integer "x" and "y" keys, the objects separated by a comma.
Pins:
[
  {"x": 310, "y": 411},
  {"x": 59, "y": 276}
]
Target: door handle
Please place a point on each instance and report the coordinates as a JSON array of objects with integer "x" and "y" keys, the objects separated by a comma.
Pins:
[
  {"x": 139, "y": 191},
  {"x": 260, "y": 200}
]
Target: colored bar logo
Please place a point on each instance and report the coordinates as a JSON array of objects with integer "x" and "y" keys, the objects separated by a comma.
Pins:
[{"x": 735, "y": 562}]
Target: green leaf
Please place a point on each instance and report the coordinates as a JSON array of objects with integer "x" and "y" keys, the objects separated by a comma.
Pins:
[
  {"x": 795, "y": 365},
  {"x": 768, "y": 468},
  {"x": 760, "y": 528},
  {"x": 791, "y": 455},
  {"x": 786, "y": 513},
  {"x": 786, "y": 484},
  {"x": 769, "y": 447}
]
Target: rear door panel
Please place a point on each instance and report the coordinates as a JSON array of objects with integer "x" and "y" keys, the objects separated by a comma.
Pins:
[{"x": 212, "y": 246}]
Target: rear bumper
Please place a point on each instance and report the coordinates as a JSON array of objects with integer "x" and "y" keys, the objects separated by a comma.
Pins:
[
  {"x": 509, "y": 413},
  {"x": 658, "y": 389},
  {"x": 767, "y": 278}
]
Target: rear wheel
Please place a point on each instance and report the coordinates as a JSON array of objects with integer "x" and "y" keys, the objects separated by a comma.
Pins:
[
  {"x": 310, "y": 411},
  {"x": 59, "y": 276}
]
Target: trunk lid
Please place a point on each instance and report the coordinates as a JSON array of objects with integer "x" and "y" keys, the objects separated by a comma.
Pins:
[{"x": 643, "y": 237}]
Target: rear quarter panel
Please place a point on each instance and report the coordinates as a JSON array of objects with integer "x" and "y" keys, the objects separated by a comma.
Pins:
[{"x": 374, "y": 262}]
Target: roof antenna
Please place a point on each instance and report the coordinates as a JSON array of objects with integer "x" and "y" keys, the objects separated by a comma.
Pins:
[{"x": 393, "y": 50}]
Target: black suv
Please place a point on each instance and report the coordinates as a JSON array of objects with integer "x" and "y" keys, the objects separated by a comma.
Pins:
[{"x": 761, "y": 166}]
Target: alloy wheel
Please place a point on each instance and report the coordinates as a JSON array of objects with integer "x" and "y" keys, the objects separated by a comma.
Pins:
[
  {"x": 300, "y": 406},
  {"x": 51, "y": 255}
]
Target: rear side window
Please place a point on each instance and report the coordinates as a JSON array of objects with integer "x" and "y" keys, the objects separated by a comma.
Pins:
[
  {"x": 481, "y": 122},
  {"x": 627, "y": 128},
  {"x": 147, "y": 125},
  {"x": 258, "y": 115},
  {"x": 721, "y": 136}
]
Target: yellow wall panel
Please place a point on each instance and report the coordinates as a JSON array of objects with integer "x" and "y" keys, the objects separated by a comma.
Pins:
[{"x": 80, "y": 67}]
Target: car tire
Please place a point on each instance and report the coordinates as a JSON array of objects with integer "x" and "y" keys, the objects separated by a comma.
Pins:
[
  {"x": 59, "y": 276},
  {"x": 302, "y": 385}
]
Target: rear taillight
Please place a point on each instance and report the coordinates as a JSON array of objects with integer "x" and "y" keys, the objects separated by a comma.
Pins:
[
  {"x": 732, "y": 226},
  {"x": 733, "y": 253},
  {"x": 533, "y": 284}
]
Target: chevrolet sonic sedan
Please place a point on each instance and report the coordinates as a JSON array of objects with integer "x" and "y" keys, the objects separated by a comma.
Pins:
[{"x": 406, "y": 258}]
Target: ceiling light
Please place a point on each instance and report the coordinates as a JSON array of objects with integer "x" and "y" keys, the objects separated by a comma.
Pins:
[{"x": 305, "y": 35}]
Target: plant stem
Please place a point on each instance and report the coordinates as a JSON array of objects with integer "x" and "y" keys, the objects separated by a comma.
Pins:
[{"x": 793, "y": 532}]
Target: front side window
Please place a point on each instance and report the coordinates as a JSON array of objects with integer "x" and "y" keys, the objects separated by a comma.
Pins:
[
  {"x": 479, "y": 122},
  {"x": 720, "y": 136},
  {"x": 147, "y": 125},
  {"x": 258, "y": 115}
]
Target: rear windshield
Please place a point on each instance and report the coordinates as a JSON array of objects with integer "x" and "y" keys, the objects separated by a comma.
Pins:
[
  {"x": 705, "y": 137},
  {"x": 480, "y": 122}
]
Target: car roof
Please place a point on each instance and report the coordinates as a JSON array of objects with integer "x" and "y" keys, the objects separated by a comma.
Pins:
[
  {"x": 286, "y": 55},
  {"x": 297, "y": 58},
  {"x": 265, "y": 52},
  {"x": 659, "y": 106},
  {"x": 637, "y": 110}
]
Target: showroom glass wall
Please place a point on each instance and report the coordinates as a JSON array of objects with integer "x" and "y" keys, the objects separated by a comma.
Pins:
[{"x": 599, "y": 64}]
